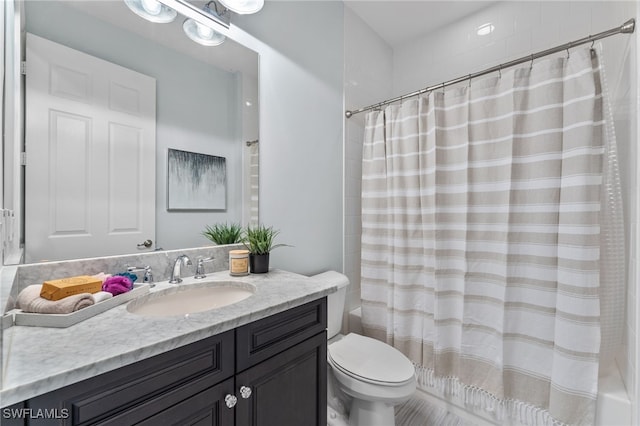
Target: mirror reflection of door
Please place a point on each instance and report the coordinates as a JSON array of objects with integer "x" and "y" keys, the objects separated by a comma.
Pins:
[{"x": 90, "y": 155}]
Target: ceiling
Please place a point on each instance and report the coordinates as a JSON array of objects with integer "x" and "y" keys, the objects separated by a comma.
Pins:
[{"x": 398, "y": 21}]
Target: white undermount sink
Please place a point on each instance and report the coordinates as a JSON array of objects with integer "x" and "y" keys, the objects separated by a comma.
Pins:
[{"x": 186, "y": 299}]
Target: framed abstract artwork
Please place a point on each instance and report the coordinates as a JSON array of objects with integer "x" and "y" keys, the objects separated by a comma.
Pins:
[{"x": 196, "y": 181}]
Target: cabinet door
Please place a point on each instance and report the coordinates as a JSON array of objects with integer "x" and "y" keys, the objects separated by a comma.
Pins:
[
  {"x": 289, "y": 389},
  {"x": 206, "y": 408}
]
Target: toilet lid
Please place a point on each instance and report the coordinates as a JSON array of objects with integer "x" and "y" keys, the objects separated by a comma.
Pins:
[{"x": 370, "y": 360}]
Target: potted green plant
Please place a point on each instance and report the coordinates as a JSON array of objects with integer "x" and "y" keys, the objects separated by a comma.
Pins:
[
  {"x": 259, "y": 240},
  {"x": 223, "y": 233}
]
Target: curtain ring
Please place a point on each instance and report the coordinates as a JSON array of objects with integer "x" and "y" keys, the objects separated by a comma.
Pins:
[
  {"x": 500, "y": 70},
  {"x": 443, "y": 87},
  {"x": 469, "y": 80},
  {"x": 531, "y": 65},
  {"x": 593, "y": 42},
  {"x": 570, "y": 45}
]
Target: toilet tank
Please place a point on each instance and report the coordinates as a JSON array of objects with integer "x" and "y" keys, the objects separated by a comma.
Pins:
[{"x": 335, "y": 301}]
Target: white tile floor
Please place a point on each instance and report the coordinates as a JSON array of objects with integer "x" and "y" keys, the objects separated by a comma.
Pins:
[{"x": 415, "y": 412}]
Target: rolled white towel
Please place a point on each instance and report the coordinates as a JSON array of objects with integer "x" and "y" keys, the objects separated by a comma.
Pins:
[
  {"x": 101, "y": 296},
  {"x": 29, "y": 300}
]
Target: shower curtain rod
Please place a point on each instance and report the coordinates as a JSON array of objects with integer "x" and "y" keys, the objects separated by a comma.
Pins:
[{"x": 628, "y": 27}]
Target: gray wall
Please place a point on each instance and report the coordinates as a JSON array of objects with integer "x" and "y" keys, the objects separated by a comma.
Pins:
[{"x": 301, "y": 128}]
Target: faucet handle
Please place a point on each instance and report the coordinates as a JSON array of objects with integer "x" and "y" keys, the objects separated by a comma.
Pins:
[
  {"x": 200, "y": 267},
  {"x": 148, "y": 275}
]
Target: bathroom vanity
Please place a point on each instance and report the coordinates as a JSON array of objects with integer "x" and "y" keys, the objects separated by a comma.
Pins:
[{"x": 261, "y": 361}]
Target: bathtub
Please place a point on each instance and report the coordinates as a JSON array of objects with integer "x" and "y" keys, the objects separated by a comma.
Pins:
[{"x": 613, "y": 408}]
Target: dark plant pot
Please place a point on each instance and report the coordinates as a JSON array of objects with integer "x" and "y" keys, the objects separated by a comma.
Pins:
[{"x": 259, "y": 263}]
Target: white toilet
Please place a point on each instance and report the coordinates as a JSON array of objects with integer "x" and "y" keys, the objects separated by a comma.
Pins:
[{"x": 374, "y": 375}]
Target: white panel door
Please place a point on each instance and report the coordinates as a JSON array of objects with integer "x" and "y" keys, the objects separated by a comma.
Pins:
[{"x": 90, "y": 149}]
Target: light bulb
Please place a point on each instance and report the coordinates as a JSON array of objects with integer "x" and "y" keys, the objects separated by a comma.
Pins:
[
  {"x": 204, "y": 31},
  {"x": 243, "y": 6},
  {"x": 152, "y": 10},
  {"x": 152, "y": 7},
  {"x": 202, "y": 34}
]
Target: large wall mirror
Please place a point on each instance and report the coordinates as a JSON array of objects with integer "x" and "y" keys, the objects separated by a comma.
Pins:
[{"x": 203, "y": 105}]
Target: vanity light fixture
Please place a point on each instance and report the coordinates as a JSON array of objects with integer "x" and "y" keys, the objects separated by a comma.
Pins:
[
  {"x": 243, "y": 7},
  {"x": 152, "y": 10},
  {"x": 204, "y": 34},
  {"x": 200, "y": 23}
]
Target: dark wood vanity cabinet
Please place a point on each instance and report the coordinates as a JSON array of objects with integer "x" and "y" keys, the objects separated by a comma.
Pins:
[
  {"x": 282, "y": 360},
  {"x": 271, "y": 372}
]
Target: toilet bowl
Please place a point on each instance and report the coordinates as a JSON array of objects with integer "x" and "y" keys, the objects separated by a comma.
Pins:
[{"x": 374, "y": 376}]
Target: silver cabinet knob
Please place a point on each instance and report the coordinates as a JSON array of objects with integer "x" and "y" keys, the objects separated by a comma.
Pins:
[
  {"x": 230, "y": 400},
  {"x": 146, "y": 244},
  {"x": 245, "y": 392}
]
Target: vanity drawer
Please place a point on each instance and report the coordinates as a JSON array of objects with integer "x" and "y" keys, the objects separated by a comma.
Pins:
[
  {"x": 269, "y": 336},
  {"x": 209, "y": 361}
]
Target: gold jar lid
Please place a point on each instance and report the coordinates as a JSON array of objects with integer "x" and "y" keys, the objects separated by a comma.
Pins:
[{"x": 239, "y": 252}]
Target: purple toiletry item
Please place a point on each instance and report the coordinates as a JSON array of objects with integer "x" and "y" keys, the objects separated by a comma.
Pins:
[{"x": 117, "y": 284}]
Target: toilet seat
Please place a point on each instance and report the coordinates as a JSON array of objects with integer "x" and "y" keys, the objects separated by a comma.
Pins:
[{"x": 370, "y": 360}]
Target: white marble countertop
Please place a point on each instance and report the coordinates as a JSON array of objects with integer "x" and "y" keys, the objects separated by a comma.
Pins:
[{"x": 37, "y": 360}]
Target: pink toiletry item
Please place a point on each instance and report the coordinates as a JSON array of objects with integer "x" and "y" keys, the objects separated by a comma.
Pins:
[
  {"x": 102, "y": 276},
  {"x": 117, "y": 284}
]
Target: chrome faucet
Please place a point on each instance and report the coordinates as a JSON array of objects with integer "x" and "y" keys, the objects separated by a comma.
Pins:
[
  {"x": 183, "y": 259},
  {"x": 148, "y": 275}
]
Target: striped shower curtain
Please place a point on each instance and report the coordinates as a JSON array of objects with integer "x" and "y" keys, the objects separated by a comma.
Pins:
[{"x": 481, "y": 237}]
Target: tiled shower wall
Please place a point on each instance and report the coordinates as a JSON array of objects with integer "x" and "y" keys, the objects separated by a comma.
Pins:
[{"x": 521, "y": 28}]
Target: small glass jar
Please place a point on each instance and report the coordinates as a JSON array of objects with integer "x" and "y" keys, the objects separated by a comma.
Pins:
[{"x": 238, "y": 263}]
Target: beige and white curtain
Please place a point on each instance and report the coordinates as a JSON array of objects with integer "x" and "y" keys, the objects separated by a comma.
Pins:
[{"x": 481, "y": 237}]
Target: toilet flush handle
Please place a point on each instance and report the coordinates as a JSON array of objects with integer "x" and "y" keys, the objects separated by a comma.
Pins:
[{"x": 245, "y": 392}]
